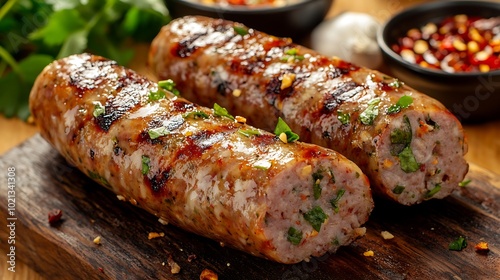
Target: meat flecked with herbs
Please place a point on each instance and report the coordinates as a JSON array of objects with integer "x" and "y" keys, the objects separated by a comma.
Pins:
[
  {"x": 199, "y": 168},
  {"x": 409, "y": 145}
]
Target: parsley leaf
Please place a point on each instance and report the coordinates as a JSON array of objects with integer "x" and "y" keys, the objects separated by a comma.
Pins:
[
  {"x": 407, "y": 160},
  {"x": 316, "y": 217},
  {"x": 99, "y": 109},
  {"x": 196, "y": 115},
  {"x": 458, "y": 244},
  {"x": 294, "y": 236},
  {"x": 282, "y": 127},
  {"x": 344, "y": 118},
  {"x": 241, "y": 30},
  {"x": 158, "y": 132},
  {"x": 170, "y": 86},
  {"x": 403, "y": 102},
  {"x": 249, "y": 132},
  {"x": 145, "y": 165},
  {"x": 370, "y": 113},
  {"x": 334, "y": 201},
  {"x": 222, "y": 112}
]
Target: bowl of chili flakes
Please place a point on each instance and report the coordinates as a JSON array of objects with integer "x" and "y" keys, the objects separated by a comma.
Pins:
[{"x": 449, "y": 50}]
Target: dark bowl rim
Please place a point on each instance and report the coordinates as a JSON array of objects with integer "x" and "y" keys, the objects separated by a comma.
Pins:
[
  {"x": 243, "y": 10},
  {"x": 422, "y": 8}
]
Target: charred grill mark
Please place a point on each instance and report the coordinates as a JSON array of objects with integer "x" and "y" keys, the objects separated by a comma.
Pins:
[
  {"x": 181, "y": 106},
  {"x": 274, "y": 86},
  {"x": 196, "y": 144},
  {"x": 91, "y": 154},
  {"x": 158, "y": 182},
  {"x": 186, "y": 47},
  {"x": 339, "y": 95}
]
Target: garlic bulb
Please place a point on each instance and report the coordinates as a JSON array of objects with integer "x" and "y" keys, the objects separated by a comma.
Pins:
[{"x": 351, "y": 37}]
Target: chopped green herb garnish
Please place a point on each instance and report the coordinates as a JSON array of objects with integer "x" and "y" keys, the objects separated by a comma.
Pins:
[
  {"x": 398, "y": 189},
  {"x": 432, "y": 192},
  {"x": 344, "y": 118},
  {"x": 98, "y": 178},
  {"x": 241, "y": 30},
  {"x": 156, "y": 95},
  {"x": 249, "y": 132},
  {"x": 282, "y": 127},
  {"x": 315, "y": 217},
  {"x": 404, "y": 102},
  {"x": 401, "y": 138},
  {"x": 294, "y": 236},
  {"x": 370, "y": 113},
  {"x": 291, "y": 54},
  {"x": 317, "y": 176},
  {"x": 458, "y": 244},
  {"x": 145, "y": 165},
  {"x": 464, "y": 183},
  {"x": 158, "y": 132},
  {"x": 98, "y": 109},
  {"x": 169, "y": 85},
  {"x": 407, "y": 161},
  {"x": 221, "y": 111},
  {"x": 196, "y": 115},
  {"x": 262, "y": 164},
  {"x": 334, "y": 202},
  {"x": 396, "y": 83}
]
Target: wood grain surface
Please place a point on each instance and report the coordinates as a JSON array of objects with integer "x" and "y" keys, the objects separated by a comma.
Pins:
[{"x": 419, "y": 250}]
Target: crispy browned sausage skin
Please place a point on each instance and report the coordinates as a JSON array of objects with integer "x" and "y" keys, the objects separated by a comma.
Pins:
[
  {"x": 198, "y": 170},
  {"x": 410, "y": 154}
]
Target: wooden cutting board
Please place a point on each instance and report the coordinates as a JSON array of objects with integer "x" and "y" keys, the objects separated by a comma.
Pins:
[{"x": 419, "y": 250}]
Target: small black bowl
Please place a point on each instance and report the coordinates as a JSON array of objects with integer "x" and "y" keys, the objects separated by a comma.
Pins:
[
  {"x": 472, "y": 97},
  {"x": 292, "y": 20}
]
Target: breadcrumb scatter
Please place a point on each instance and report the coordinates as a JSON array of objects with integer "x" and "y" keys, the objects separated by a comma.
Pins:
[
  {"x": 386, "y": 235},
  {"x": 97, "y": 240},
  {"x": 133, "y": 201},
  {"x": 174, "y": 267},
  {"x": 152, "y": 235},
  {"x": 482, "y": 247},
  {"x": 121, "y": 197},
  {"x": 368, "y": 253},
  {"x": 360, "y": 231},
  {"x": 207, "y": 274}
]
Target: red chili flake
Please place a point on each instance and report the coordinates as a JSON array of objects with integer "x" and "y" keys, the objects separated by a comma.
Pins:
[
  {"x": 55, "y": 216},
  {"x": 101, "y": 269}
]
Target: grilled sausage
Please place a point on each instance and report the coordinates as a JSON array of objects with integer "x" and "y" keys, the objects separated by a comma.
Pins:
[
  {"x": 196, "y": 167},
  {"x": 407, "y": 143}
]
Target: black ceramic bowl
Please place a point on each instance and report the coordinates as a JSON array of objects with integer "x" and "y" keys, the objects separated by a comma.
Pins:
[
  {"x": 293, "y": 20},
  {"x": 472, "y": 97}
]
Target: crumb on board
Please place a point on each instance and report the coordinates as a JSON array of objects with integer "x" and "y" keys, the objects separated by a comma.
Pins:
[
  {"x": 358, "y": 232},
  {"x": 55, "y": 216},
  {"x": 174, "y": 267},
  {"x": 163, "y": 221},
  {"x": 482, "y": 247},
  {"x": 369, "y": 253},
  {"x": 152, "y": 235},
  {"x": 386, "y": 235},
  {"x": 121, "y": 197},
  {"x": 208, "y": 274},
  {"x": 97, "y": 240},
  {"x": 133, "y": 201},
  {"x": 222, "y": 244}
]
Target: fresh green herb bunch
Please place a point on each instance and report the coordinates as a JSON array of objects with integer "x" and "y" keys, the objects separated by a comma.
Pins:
[{"x": 33, "y": 33}]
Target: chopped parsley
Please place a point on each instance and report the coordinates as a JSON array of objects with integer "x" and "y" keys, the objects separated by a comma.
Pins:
[
  {"x": 222, "y": 112},
  {"x": 249, "y": 132},
  {"x": 407, "y": 160},
  {"x": 294, "y": 236},
  {"x": 145, "y": 165},
  {"x": 401, "y": 138},
  {"x": 240, "y": 30},
  {"x": 464, "y": 183},
  {"x": 158, "y": 132},
  {"x": 458, "y": 244},
  {"x": 98, "y": 109},
  {"x": 291, "y": 54},
  {"x": 196, "y": 115},
  {"x": 282, "y": 127},
  {"x": 98, "y": 178},
  {"x": 317, "y": 176},
  {"x": 344, "y": 118},
  {"x": 398, "y": 189},
  {"x": 156, "y": 95},
  {"x": 315, "y": 217},
  {"x": 170, "y": 86},
  {"x": 334, "y": 202},
  {"x": 370, "y": 113},
  {"x": 404, "y": 102},
  {"x": 432, "y": 192}
]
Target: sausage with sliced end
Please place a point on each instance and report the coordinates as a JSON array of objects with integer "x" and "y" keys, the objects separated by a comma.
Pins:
[
  {"x": 409, "y": 145},
  {"x": 196, "y": 167}
]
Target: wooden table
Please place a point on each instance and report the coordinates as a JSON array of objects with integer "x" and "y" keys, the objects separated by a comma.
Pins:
[{"x": 484, "y": 139}]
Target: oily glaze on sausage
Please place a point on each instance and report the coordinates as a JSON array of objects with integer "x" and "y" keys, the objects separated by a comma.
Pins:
[
  {"x": 407, "y": 143},
  {"x": 196, "y": 168}
]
